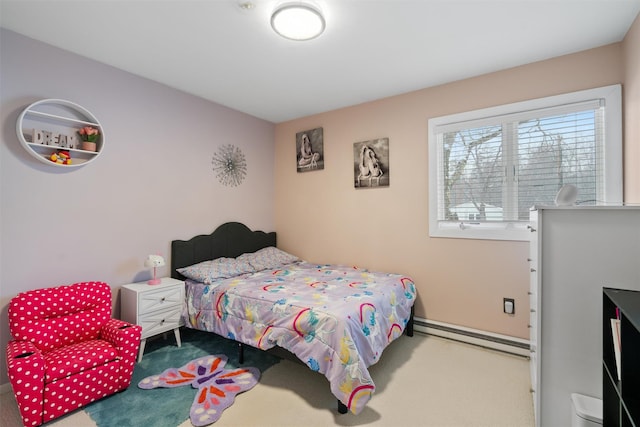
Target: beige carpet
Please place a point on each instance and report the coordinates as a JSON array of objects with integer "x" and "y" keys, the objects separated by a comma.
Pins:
[{"x": 421, "y": 381}]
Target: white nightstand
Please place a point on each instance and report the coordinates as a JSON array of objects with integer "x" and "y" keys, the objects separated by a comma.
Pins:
[{"x": 157, "y": 308}]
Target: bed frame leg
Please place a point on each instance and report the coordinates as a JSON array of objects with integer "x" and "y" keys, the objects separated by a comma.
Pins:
[
  {"x": 342, "y": 408},
  {"x": 240, "y": 353},
  {"x": 409, "y": 328}
]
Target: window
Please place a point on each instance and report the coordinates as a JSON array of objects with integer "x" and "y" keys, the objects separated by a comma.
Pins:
[{"x": 488, "y": 167}]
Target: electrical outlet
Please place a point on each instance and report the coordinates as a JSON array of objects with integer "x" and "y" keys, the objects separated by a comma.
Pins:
[{"x": 509, "y": 305}]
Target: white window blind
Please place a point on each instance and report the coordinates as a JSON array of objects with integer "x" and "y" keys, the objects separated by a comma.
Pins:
[{"x": 489, "y": 167}]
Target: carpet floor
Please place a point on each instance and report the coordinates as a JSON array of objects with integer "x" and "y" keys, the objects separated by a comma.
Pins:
[
  {"x": 122, "y": 409},
  {"x": 421, "y": 381}
]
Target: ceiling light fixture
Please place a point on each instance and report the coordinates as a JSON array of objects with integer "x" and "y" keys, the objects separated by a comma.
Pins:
[{"x": 298, "y": 21}]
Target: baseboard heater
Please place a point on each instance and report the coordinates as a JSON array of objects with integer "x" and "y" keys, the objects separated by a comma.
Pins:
[{"x": 477, "y": 337}]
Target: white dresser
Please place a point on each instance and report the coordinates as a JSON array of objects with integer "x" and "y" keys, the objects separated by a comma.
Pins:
[
  {"x": 157, "y": 308},
  {"x": 574, "y": 253}
]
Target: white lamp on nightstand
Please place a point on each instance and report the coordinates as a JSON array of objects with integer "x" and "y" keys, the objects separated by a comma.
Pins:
[{"x": 154, "y": 261}]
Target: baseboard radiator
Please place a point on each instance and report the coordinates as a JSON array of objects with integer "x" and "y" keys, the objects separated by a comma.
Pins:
[{"x": 477, "y": 337}]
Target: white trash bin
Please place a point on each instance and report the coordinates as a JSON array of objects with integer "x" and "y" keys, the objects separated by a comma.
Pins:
[{"x": 587, "y": 411}]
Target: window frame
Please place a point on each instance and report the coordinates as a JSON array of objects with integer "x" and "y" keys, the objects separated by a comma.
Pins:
[{"x": 517, "y": 230}]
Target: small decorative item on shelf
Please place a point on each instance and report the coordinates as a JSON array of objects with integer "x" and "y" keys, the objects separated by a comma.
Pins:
[
  {"x": 89, "y": 136},
  {"x": 154, "y": 261},
  {"x": 61, "y": 157}
]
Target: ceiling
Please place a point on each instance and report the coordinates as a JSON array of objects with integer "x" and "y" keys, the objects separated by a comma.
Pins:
[{"x": 371, "y": 49}]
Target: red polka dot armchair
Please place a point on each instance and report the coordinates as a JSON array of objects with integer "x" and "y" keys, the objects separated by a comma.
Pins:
[{"x": 66, "y": 350}]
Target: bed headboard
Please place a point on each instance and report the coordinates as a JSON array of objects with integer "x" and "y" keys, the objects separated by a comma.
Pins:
[{"x": 228, "y": 240}]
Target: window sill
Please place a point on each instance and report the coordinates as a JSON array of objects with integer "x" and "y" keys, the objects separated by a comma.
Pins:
[{"x": 515, "y": 231}]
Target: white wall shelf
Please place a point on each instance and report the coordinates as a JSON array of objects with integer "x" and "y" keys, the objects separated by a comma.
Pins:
[{"x": 61, "y": 120}]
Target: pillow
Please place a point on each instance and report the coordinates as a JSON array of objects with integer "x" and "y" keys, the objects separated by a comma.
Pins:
[
  {"x": 268, "y": 258},
  {"x": 219, "y": 268}
]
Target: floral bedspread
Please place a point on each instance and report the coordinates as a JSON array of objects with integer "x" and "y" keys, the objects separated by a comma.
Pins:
[{"x": 336, "y": 319}]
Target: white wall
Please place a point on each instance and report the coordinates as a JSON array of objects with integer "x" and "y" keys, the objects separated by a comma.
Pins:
[
  {"x": 631, "y": 111},
  {"x": 152, "y": 183}
]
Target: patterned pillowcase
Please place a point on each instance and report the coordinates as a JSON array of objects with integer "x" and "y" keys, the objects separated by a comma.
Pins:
[
  {"x": 268, "y": 258},
  {"x": 220, "y": 268}
]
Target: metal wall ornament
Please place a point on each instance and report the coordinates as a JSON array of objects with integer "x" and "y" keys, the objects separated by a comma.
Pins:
[{"x": 230, "y": 165}]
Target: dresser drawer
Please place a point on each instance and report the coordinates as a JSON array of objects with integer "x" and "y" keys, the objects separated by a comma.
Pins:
[
  {"x": 533, "y": 328},
  {"x": 160, "y": 299}
]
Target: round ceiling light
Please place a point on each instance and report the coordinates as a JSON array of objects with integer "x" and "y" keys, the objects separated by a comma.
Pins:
[{"x": 298, "y": 21}]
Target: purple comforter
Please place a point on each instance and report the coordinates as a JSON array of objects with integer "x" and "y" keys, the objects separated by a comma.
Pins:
[{"x": 336, "y": 319}]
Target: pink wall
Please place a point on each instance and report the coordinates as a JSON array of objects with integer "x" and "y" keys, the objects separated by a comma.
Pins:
[
  {"x": 631, "y": 56},
  {"x": 321, "y": 217}
]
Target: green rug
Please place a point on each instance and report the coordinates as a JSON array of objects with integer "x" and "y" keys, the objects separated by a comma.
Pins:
[{"x": 169, "y": 407}]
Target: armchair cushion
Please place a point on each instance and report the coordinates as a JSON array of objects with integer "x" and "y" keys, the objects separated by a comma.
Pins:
[
  {"x": 66, "y": 361},
  {"x": 60, "y": 316}
]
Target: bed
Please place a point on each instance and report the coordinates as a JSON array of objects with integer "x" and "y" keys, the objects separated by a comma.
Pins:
[{"x": 336, "y": 319}]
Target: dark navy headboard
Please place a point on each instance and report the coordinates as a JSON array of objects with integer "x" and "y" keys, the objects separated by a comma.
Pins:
[{"x": 228, "y": 240}]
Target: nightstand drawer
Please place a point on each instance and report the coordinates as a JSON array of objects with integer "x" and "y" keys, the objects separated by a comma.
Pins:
[
  {"x": 160, "y": 321},
  {"x": 162, "y": 298}
]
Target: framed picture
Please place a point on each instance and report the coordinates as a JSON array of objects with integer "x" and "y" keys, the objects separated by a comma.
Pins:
[
  {"x": 371, "y": 163},
  {"x": 310, "y": 150}
]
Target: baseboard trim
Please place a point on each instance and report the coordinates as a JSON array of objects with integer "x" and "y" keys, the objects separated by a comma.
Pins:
[{"x": 504, "y": 343}]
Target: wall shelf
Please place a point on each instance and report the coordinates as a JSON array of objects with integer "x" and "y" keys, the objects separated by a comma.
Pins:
[{"x": 58, "y": 121}]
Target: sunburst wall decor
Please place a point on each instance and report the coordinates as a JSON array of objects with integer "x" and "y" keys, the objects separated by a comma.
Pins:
[{"x": 229, "y": 165}]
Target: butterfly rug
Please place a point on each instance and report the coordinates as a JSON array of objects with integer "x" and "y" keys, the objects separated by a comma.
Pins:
[
  {"x": 170, "y": 407},
  {"x": 217, "y": 387}
]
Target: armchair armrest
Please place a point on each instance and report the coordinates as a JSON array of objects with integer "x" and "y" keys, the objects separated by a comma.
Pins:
[
  {"x": 26, "y": 370},
  {"x": 125, "y": 337},
  {"x": 121, "y": 334},
  {"x": 24, "y": 353}
]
